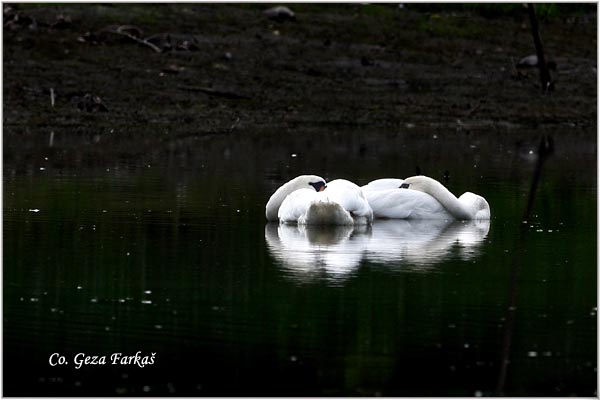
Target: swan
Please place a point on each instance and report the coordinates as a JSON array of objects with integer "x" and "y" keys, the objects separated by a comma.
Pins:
[
  {"x": 339, "y": 202},
  {"x": 421, "y": 197}
]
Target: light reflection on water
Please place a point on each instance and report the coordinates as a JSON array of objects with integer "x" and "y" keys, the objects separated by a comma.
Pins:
[{"x": 306, "y": 253}]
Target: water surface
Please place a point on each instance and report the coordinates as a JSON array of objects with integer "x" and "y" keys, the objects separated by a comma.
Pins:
[{"x": 172, "y": 255}]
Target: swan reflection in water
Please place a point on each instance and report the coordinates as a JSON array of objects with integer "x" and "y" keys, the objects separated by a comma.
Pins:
[{"x": 333, "y": 253}]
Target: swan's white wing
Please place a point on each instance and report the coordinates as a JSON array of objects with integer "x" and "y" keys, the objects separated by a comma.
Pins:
[
  {"x": 296, "y": 204},
  {"x": 383, "y": 184},
  {"x": 351, "y": 198},
  {"x": 405, "y": 204}
]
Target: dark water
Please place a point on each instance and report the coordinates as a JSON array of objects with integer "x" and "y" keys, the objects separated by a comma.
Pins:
[{"x": 172, "y": 255}]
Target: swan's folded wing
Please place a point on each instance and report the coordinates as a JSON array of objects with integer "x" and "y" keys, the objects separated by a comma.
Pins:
[
  {"x": 296, "y": 204},
  {"x": 383, "y": 184},
  {"x": 405, "y": 204},
  {"x": 350, "y": 197}
]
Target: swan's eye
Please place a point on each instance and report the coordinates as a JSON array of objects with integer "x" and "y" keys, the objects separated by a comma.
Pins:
[{"x": 404, "y": 186}]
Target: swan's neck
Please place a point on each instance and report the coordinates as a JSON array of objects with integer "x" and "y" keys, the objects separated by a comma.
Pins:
[
  {"x": 447, "y": 199},
  {"x": 272, "y": 207},
  {"x": 275, "y": 201}
]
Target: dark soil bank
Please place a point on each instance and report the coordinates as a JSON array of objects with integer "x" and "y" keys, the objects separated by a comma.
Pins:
[{"x": 127, "y": 80}]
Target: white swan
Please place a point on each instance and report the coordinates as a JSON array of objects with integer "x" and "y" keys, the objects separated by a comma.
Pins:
[
  {"x": 421, "y": 197},
  {"x": 340, "y": 202}
]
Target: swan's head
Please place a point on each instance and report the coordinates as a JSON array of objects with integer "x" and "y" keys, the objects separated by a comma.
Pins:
[
  {"x": 306, "y": 182},
  {"x": 319, "y": 186},
  {"x": 420, "y": 182}
]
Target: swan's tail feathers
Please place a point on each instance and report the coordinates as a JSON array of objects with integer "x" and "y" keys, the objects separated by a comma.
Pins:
[
  {"x": 326, "y": 213},
  {"x": 476, "y": 205}
]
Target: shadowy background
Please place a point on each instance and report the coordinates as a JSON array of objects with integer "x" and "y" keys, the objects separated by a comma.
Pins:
[{"x": 100, "y": 82}]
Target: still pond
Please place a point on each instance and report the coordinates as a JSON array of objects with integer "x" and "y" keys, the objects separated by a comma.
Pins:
[{"x": 172, "y": 256}]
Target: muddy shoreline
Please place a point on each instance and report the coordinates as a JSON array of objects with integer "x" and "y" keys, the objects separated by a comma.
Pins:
[{"x": 74, "y": 88}]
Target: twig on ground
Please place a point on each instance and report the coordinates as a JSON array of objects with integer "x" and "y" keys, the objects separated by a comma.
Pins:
[{"x": 215, "y": 92}]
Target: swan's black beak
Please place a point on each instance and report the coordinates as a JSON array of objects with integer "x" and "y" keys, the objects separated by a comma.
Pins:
[
  {"x": 319, "y": 186},
  {"x": 404, "y": 186}
]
